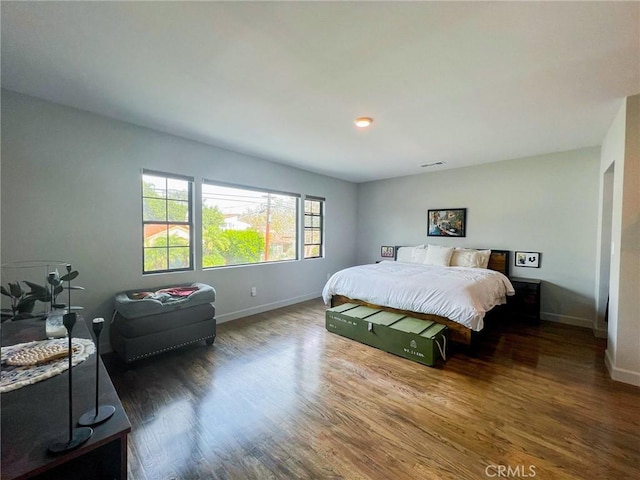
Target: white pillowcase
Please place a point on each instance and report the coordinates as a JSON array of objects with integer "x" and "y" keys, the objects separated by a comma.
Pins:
[
  {"x": 418, "y": 255},
  {"x": 411, "y": 254},
  {"x": 468, "y": 257},
  {"x": 404, "y": 254},
  {"x": 438, "y": 255}
]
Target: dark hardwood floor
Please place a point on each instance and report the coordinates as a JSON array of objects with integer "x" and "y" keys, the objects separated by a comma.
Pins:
[{"x": 279, "y": 397}]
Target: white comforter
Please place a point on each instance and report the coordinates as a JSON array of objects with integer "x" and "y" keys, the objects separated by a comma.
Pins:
[{"x": 460, "y": 294}]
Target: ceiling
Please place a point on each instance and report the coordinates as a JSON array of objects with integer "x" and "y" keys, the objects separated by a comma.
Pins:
[{"x": 458, "y": 82}]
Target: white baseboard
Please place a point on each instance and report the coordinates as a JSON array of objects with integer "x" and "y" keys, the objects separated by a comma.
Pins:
[
  {"x": 105, "y": 346},
  {"x": 567, "y": 320},
  {"x": 227, "y": 317},
  {"x": 620, "y": 374}
]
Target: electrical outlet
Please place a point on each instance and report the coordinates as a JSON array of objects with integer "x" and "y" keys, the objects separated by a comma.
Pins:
[{"x": 254, "y": 291}]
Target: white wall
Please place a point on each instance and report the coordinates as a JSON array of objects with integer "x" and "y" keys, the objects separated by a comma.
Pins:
[
  {"x": 603, "y": 257},
  {"x": 546, "y": 204},
  {"x": 71, "y": 191},
  {"x": 621, "y": 148},
  {"x": 612, "y": 159}
]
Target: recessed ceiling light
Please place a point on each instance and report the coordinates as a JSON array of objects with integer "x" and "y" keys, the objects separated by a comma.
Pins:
[{"x": 363, "y": 122}]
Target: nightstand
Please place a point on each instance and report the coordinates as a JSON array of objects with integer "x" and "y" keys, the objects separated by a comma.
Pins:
[{"x": 526, "y": 301}]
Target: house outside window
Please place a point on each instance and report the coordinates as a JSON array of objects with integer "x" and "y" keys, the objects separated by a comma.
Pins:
[
  {"x": 167, "y": 222},
  {"x": 243, "y": 225},
  {"x": 313, "y": 227}
]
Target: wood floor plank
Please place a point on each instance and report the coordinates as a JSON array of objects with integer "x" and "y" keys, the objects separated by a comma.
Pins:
[{"x": 279, "y": 397}]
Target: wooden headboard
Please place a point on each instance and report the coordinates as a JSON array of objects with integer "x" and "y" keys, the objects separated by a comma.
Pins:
[{"x": 498, "y": 261}]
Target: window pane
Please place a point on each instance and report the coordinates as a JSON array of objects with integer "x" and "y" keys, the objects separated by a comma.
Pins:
[
  {"x": 177, "y": 189},
  {"x": 241, "y": 226},
  {"x": 312, "y": 207},
  {"x": 155, "y": 259},
  {"x": 154, "y": 209},
  {"x": 179, "y": 257},
  {"x": 153, "y": 186},
  {"x": 178, "y": 211},
  {"x": 179, "y": 236},
  {"x": 312, "y": 251},
  {"x": 155, "y": 235}
]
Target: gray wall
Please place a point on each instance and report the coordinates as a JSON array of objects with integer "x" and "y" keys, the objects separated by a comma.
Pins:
[
  {"x": 547, "y": 204},
  {"x": 71, "y": 191}
]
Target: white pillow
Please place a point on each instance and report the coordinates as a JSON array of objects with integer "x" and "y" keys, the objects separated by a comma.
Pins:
[
  {"x": 411, "y": 254},
  {"x": 418, "y": 254},
  {"x": 438, "y": 255},
  {"x": 404, "y": 254}
]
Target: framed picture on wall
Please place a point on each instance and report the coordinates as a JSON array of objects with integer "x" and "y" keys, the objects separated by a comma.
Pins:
[
  {"x": 449, "y": 222},
  {"x": 527, "y": 259},
  {"x": 387, "y": 252}
]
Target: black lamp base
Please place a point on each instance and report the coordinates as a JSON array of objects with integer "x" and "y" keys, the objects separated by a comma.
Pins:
[
  {"x": 80, "y": 435},
  {"x": 90, "y": 418}
]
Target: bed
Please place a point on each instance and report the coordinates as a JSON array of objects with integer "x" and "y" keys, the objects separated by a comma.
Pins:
[{"x": 452, "y": 286}]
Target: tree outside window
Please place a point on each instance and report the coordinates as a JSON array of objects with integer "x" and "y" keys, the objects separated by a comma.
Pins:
[{"x": 245, "y": 226}]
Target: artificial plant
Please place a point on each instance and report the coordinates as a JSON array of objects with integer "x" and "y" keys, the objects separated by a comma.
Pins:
[{"x": 23, "y": 301}]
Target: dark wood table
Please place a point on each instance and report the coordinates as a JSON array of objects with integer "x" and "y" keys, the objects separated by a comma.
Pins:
[
  {"x": 526, "y": 301},
  {"x": 36, "y": 415}
]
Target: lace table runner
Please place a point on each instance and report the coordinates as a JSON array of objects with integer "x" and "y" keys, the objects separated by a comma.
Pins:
[{"x": 12, "y": 377}]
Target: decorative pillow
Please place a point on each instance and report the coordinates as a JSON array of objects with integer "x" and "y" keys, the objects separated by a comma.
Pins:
[
  {"x": 465, "y": 257},
  {"x": 438, "y": 255},
  {"x": 484, "y": 254},
  {"x": 469, "y": 257}
]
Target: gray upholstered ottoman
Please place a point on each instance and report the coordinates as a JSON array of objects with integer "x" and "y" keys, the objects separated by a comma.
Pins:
[{"x": 146, "y": 323}]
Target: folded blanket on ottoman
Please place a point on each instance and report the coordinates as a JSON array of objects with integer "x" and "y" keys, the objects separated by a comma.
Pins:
[{"x": 140, "y": 303}]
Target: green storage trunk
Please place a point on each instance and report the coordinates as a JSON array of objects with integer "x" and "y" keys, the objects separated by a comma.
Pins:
[{"x": 408, "y": 337}]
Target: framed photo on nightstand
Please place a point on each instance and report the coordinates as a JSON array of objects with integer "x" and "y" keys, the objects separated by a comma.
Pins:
[{"x": 527, "y": 259}]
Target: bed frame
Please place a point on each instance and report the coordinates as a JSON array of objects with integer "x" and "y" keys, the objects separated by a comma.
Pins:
[{"x": 498, "y": 261}]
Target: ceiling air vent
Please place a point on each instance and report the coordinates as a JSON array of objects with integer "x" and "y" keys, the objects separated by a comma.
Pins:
[{"x": 432, "y": 164}]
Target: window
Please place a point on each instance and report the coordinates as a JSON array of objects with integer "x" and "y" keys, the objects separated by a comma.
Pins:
[
  {"x": 167, "y": 221},
  {"x": 242, "y": 225},
  {"x": 313, "y": 220}
]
